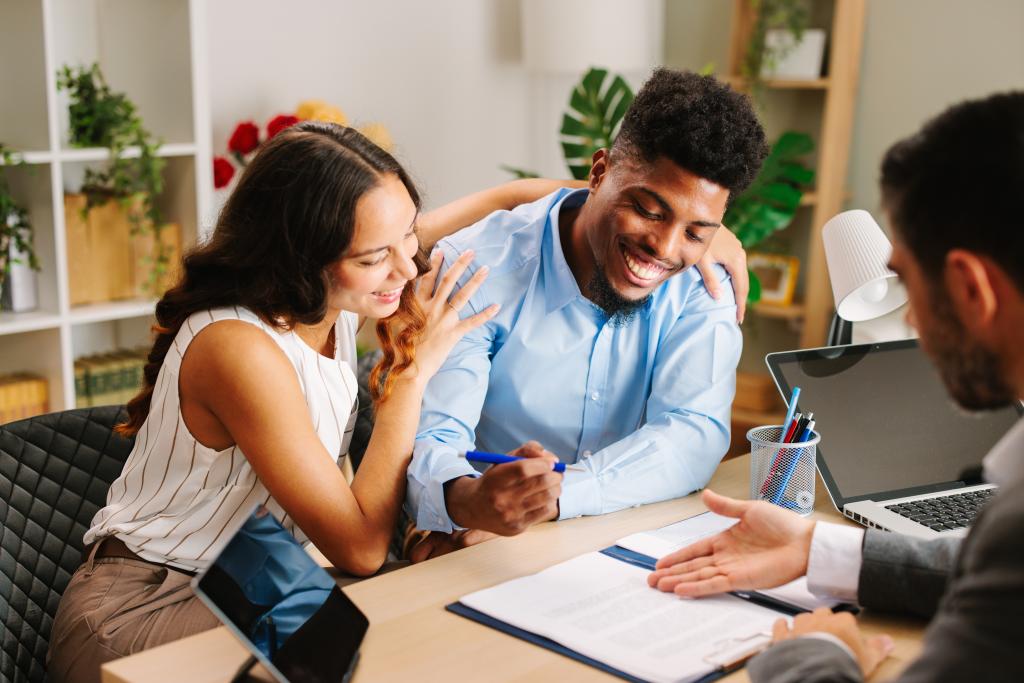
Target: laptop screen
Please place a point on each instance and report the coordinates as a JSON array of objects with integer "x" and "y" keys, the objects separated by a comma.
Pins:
[
  {"x": 887, "y": 424},
  {"x": 282, "y": 605}
]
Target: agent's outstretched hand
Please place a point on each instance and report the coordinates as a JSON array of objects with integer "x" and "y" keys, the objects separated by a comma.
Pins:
[{"x": 767, "y": 548}]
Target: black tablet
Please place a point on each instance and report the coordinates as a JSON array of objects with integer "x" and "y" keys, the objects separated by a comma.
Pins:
[{"x": 285, "y": 609}]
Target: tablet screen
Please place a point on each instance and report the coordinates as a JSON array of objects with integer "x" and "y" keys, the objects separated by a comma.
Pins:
[{"x": 282, "y": 605}]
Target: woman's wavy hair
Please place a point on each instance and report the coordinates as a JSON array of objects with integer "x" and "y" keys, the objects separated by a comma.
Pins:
[{"x": 291, "y": 216}]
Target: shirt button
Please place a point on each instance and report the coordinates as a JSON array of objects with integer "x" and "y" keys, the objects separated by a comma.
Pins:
[
  {"x": 594, "y": 396},
  {"x": 586, "y": 454}
]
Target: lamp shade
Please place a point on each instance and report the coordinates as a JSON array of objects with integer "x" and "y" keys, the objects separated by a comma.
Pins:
[
  {"x": 857, "y": 253},
  {"x": 570, "y": 36}
]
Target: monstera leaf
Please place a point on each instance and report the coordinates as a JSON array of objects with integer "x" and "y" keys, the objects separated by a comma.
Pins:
[
  {"x": 596, "y": 107},
  {"x": 771, "y": 201}
]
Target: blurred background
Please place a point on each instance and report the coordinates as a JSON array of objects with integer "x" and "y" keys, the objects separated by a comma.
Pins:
[{"x": 124, "y": 125}]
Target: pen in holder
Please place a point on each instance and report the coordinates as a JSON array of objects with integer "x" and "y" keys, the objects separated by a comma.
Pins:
[{"x": 782, "y": 473}]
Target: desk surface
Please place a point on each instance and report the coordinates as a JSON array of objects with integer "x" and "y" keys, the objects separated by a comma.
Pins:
[{"x": 412, "y": 637}]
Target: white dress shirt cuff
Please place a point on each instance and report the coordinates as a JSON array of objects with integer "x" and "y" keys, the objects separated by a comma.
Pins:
[
  {"x": 833, "y": 568},
  {"x": 581, "y": 495}
]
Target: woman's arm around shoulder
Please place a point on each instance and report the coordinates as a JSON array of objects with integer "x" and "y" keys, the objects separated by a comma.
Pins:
[{"x": 452, "y": 217}]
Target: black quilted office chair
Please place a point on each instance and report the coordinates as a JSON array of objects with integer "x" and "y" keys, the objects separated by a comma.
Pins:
[{"x": 54, "y": 474}]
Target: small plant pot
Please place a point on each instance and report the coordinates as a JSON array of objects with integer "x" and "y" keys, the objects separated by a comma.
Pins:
[
  {"x": 801, "y": 60},
  {"x": 18, "y": 286}
]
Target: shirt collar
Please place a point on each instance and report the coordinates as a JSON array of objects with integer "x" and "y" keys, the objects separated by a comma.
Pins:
[
  {"x": 1004, "y": 464},
  {"x": 560, "y": 285}
]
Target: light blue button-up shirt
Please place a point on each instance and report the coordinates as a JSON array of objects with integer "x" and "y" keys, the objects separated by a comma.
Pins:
[{"x": 643, "y": 408}]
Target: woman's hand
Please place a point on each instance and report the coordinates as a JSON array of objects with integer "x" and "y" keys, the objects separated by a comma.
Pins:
[
  {"x": 869, "y": 651},
  {"x": 443, "y": 327},
  {"x": 767, "y": 548},
  {"x": 726, "y": 250}
]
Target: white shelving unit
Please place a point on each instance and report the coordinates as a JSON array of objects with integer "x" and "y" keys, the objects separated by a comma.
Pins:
[{"x": 153, "y": 50}]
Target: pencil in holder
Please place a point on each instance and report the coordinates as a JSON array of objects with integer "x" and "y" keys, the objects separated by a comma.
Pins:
[{"x": 782, "y": 473}]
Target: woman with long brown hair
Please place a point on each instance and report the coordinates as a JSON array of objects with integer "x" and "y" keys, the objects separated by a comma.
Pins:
[{"x": 250, "y": 395}]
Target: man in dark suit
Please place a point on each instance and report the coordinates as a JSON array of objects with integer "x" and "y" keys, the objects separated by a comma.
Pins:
[{"x": 951, "y": 193}]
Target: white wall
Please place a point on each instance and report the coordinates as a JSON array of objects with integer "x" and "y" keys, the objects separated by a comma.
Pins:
[
  {"x": 921, "y": 56},
  {"x": 444, "y": 76}
]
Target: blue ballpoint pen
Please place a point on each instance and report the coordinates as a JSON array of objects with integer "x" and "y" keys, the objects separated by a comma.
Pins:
[
  {"x": 501, "y": 458},
  {"x": 773, "y": 470}
]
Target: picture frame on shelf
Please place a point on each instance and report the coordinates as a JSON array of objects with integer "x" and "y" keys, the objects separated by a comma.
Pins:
[{"x": 778, "y": 274}]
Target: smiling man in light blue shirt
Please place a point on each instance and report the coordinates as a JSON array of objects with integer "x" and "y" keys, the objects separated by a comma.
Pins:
[{"x": 608, "y": 348}]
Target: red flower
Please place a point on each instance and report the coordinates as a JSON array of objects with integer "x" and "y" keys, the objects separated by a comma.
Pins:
[
  {"x": 223, "y": 172},
  {"x": 279, "y": 123},
  {"x": 245, "y": 139}
]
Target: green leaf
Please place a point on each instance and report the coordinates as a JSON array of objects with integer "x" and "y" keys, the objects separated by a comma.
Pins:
[
  {"x": 771, "y": 201},
  {"x": 754, "y": 295},
  {"x": 597, "y": 105}
]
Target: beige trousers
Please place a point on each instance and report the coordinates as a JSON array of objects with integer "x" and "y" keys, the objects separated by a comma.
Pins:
[{"x": 114, "y": 607}]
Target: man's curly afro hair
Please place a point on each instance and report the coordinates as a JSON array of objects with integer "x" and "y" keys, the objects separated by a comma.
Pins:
[{"x": 699, "y": 123}]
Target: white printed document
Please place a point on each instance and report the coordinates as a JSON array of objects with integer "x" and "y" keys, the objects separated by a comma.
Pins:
[
  {"x": 603, "y": 608},
  {"x": 668, "y": 539}
]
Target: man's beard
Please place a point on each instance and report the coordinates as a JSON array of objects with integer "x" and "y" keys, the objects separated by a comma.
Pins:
[
  {"x": 620, "y": 310},
  {"x": 972, "y": 374}
]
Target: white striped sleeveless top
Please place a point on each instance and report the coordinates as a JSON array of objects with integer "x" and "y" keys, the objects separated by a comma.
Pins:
[{"x": 176, "y": 500}]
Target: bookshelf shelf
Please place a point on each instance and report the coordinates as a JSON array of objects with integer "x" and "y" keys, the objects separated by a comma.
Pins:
[
  {"x": 155, "y": 52},
  {"x": 34, "y": 157},
  {"x": 180, "y": 149},
  {"x": 112, "y": 310},
  {"x": 30, "y": 321},
  {"x": 833, "y": 112}
]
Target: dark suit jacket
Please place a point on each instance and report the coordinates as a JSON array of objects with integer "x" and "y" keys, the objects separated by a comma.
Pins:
[{"x": 973, "y": 590}]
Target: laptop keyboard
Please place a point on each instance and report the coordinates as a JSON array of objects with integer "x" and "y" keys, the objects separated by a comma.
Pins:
[{"x": 955, "y": 511}]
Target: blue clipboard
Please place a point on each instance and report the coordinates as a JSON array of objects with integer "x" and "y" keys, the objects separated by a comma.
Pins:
[{"x": 629, "y": 557}]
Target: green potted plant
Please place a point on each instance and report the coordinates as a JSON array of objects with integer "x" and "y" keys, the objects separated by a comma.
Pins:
[
  {"x": 16, "y": 237},
  {"x": 763, "y": 56},
  {"x": 100, "y": 117}
]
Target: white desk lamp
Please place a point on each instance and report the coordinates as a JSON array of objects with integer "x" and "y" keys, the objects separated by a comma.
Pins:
[{"x": 857, "y": 253}]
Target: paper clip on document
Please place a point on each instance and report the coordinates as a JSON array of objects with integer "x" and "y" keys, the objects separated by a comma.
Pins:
[{"x": 732, "y": 653}]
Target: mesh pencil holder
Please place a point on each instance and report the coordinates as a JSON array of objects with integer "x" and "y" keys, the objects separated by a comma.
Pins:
[{"x": 780, "y": 473}]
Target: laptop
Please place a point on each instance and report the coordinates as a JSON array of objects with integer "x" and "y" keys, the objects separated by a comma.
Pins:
[
  {"x": 896, "y": 452},
  {"x": 283, "y": 607}
]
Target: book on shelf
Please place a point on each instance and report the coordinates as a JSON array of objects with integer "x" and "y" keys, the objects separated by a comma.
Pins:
[
  {"x": 22, "y": 395},
  {"x": 109, "y": 378}
]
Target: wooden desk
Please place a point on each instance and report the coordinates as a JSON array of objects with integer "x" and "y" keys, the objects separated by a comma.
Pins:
[{"x": 412, "y": 637}]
